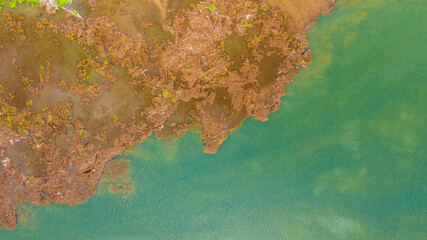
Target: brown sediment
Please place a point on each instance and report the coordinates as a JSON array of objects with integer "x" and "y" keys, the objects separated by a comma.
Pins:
[
  {"x": 115, "y": 169},
  {"x": 117, "y": 176},
  {"x": 75, "y": 92}
]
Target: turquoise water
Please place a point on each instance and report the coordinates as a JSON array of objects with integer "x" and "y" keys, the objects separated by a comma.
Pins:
[{"x": 343, "y": 158}]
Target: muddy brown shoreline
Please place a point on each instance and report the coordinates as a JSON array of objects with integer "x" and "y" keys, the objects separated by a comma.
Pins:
[{"x": 77, "y": 91}]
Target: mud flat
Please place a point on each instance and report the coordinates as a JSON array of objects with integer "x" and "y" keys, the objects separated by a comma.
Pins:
[{"x": 77, "y": 90}]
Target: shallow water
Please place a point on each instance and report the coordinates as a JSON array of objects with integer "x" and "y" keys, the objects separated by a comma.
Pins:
[{"x": 343, "y": 158}]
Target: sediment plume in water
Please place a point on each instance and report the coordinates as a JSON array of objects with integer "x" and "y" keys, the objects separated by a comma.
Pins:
[{"x": 82, "y": 83}]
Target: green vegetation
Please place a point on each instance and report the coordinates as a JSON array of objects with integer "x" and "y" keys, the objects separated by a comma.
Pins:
[
  {"x": 81, "y": 132},
  {"x": 12, "y": 4},
  {"x": 2, "y": 3},
  {"x": 166, "y": 95},
  {"x": 62, "y": 2},
  {"x": 211, "y": 7},
  {"x": 75, "y": 13},
  {"x": 15, "y": 3}
]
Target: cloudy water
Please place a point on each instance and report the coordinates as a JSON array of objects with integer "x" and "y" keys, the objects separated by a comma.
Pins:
[{"x": 343, "y": 158}]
